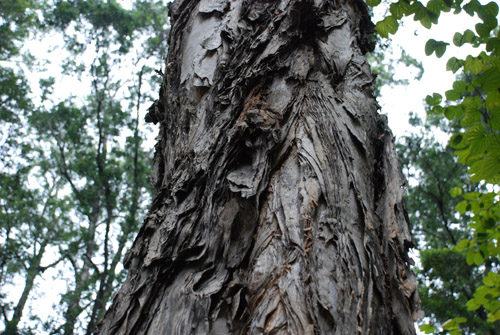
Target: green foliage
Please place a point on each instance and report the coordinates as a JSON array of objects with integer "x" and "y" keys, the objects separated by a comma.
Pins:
[
  {"x": 427, "y": 329},
  {"x": 110, "y": 19},
  {"x": 434, "y": 99},
  {"x": 433, "y": 46},
  {"x": 477, "y": 146},
  {"x": 387, "y": 26},
  {"x": 17, "y": 18},
  {"x": 453, "y": 325},
  {"x": 473, "y": 104},
  {"x": 437, "y": 182},
  {"x": 74, "y": 173},
  {"x": 429, "y": 14}
]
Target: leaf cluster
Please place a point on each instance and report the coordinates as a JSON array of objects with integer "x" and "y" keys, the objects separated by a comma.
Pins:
[
  {"x": 17, "y": 19},
  {"x": 473, "y": 104}
]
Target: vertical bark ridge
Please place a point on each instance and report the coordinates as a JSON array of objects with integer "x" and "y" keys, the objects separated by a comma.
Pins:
[{"x": 279, "y": 206}]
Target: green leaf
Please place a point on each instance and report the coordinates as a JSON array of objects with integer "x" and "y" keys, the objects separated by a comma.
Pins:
[
  {"x": 460, "y": 86},
  {"x": 462, "y": 245},
  {"x": 458, "y": 39},
  {"x": 452, "y": 95},
  {"x": 448, "y": 324},
  {"x": 452, "y": 325},
  {"x": 461, "y": 207},
  {"x": 387, "y": 26},
  {"x": 399, "y": 9},
  {"x": 477, "y": 139},
  {"x": 471, "y": 7},
  {"x": 488, "y": 281},
  {"x": 493, "y": 101},
  {"x": 436, "y": 110},
  {"x": 493, "y": 45},
  {"x": 473, "y": 64},
  {"x": 492, "y": 248},
  {"x": 471, "y": 105},
  {"x": 490, "y": 79},
  {"x": 428, "y": 329},
  {"x": 426, "y": 21},
  {"x": 434, "y": 6},
  {"x": 492, "y": 165},
  {"x": 430, "y": 47},
  {"x": 456, "y": 191},
  {"x": 439, "y": 47},
  {"x": 483, "y": 29},
  {"x": 373, "y": 3},
  {"x": 489, "y": 10},
  {"x": 462, "y": 154},
  {"x": 485, "y": 169},
  {"x": 440, "y": 50},
  {"x": 478, "y": 259},
  {"x": 470, "y": 257},
  {"x": 467, "y": 37},
  {"x": 456, "y": 140},
  {"x": 418, "y": 9},
  {"x": 480, "y": 145},
  {"x": 434, "y": 100},
  {"x": 494, "y": 121},
  {"x": 493, "y": 317},
  {"x": 453, "y": 64},
  {"x": 422, "y": 14},
  {"x": 472, "y": 305}
]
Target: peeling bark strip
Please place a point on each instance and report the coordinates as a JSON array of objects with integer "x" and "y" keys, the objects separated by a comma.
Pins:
[{"x": 279, "y": 206}]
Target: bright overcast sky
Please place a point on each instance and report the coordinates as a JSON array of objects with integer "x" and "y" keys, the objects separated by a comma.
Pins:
[{"x": 398, "y": 102}]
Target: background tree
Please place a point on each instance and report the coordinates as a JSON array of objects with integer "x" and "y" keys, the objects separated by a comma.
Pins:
[
  {"x": 76, "y": 185},
  {"x": 279, "y": 205},
  {"x": 434, "y": 174},
  {"x": 30, "y": 222}
]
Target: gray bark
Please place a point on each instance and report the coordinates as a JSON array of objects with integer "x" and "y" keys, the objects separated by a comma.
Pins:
[{"x": 279, "y": 207}]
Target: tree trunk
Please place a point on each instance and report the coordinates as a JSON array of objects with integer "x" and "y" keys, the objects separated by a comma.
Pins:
[
  {"x": 32, "y": 272},
  {"x": 279, "y": 206}
]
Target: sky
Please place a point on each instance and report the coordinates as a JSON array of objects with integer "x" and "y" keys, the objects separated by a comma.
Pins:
[{"x": 397, "y": 102}]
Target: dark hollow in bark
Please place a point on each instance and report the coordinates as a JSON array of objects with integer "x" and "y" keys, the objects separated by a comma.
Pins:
[{"x": 279, "y": 207}]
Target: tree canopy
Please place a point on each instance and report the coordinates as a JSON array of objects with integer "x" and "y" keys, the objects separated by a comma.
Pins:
[{"x": 74, "y": 172}]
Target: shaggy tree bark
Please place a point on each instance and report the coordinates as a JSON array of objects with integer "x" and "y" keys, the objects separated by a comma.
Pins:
[{"x": 279, "y": 206}]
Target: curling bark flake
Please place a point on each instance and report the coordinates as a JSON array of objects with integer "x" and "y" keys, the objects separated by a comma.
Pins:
[{"x": 279, "y": 207}]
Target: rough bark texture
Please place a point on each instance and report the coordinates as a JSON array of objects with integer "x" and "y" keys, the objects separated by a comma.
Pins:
[{"x": 279, "y": 206}]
